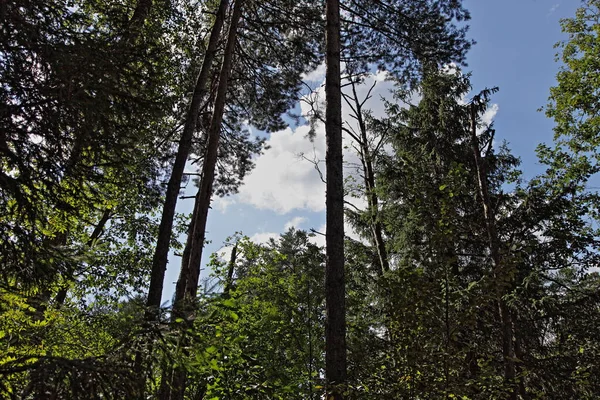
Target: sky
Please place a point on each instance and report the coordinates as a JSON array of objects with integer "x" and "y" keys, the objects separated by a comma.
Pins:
[{"x": 514, "y": 51}]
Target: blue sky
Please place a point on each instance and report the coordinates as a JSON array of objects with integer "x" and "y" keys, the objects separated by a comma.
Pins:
[{"x": 514, "y": 51}]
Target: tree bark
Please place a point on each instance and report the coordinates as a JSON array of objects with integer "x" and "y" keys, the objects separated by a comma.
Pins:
[
  {"x": 187, "y": 285},
  {"x": 185, "y": 260},
  {"x": 508, "y": 349},
  {"x": 159, "y": 262},
  {"x": 335, "y": 327},
  {"x": 190, "y": 273}
]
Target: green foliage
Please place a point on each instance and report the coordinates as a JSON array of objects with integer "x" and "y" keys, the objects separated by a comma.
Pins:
[
  {"x": 77, "y": 126},
  {"x": 434, "y": 330},
  {"x": 88, "y": 120},
  {"x": 401, "y": 37},
  {"x": 263, "y": 338},
  {"x": 69, "y": 353},
  {"x": 574, "y": 101}
]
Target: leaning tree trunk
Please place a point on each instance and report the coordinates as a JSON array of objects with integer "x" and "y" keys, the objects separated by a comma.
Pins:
[
  {"x": 159, "y": 261},
  {"x": 508, "y": 348},
  {"x": 190, "y": 272},
  {"x": 335, "y": 327},
  {"x": 187, "y": 285}
]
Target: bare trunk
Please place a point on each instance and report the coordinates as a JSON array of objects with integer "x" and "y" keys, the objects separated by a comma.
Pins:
[
  {"x": 369, "y": 178},
  {"x": 185, "y": 260},
  {"x": 203, "y": 198},
  {"x": 335, "y": 327},
  {"x": 508, "y": 350},
  {"x": 187, "y": 285},
  {"x": 159, "y": 262},
  {"x": 230, "y": 271}
]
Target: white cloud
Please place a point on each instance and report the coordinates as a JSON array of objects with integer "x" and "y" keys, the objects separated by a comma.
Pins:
[
  {"x": 487, "y": 118},
  {"x": 285, "y": 177},
  {"x": 222, "y": 203},
  {"x": 264, "y": 237},
  {"x": 224, "y": 252},
  {"x": 282, "y": 180},
  {"x": 490, "y": 114},
  {"x": 294, "y": 223},
  {"x": 316, "y": 75}
]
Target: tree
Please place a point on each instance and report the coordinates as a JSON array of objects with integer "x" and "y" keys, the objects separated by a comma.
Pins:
[
  {"x": 369, "y": 40},
  {"x": 159, "y": 264},
  {"x": 188, "y": 280},
  {"x": 335, "y": 327},
  {"x": 262, "y": 88},
  {"x": 573, "y": 103},
  {"x": 268, "y": 90},
  {"x": 82, "y": 160},
  {"x": 52, "y": 167},
  {"x": 438, "y": 246},
  {"x": 263, "y": 337},
  {"x": 368, "y": 149}
]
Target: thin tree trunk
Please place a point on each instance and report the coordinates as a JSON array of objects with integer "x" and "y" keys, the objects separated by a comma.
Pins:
[
  {"x": 335, "y": 327},
  {"x": 230, "y": 271},
  {"x": 166, "y": 381},
  {"x": 508, "y": 350},
  {"x": 185, "y": 260},
  {"x": 372, "y": 198},
  {"x": 159, "y": 262},
  {"x": 187, "y": 284},
  {"x": 519, "y": 352}
]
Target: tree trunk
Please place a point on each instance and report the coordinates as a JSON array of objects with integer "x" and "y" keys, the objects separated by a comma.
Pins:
[
  {"x": 520, "y": 353},
  {"x": 185, "y": 260},
  {"x": 369, "y": 178},
  {"x": 335, "y": 327},
  {"x": 508, "y": 349},
  {"x": 230, "y": 272},
  {"x": 187, "y": 285},
  {"x": 190, "y": 272},
  {"x": 141, "y": 12},
  {"x": 159, "y": 262}
]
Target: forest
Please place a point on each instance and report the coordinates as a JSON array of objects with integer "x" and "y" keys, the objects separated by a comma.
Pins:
[{"x": 464, "y": 278}]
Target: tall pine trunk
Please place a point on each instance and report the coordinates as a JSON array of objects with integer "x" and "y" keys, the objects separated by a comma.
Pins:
[
  {"x": 190, "y": 272},
  {"x": 187, "y": 285},
  {"x": 335, "y": 327},
  {"x": 508, "y": 348},
  {"x": 159, "y": 261}
]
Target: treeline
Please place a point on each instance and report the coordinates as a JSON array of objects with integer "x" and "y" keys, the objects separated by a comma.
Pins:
[{"x": 470, "y": 282}]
